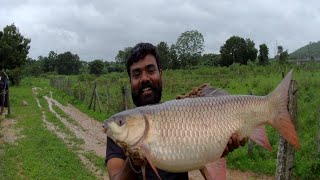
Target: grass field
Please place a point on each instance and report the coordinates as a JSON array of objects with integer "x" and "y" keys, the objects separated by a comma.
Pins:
[
  {"x": 38, "y": 153},
  {"x": 25, "y": 157}
]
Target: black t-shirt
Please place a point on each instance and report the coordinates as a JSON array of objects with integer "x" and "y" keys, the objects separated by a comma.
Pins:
[{"x": 113, "y": 150}]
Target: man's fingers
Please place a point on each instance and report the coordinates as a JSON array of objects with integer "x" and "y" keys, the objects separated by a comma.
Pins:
[
  {"x": 243, "y": 141},
  {"x": 235, "y": 141},
  {"x": 225, "y": 152}
]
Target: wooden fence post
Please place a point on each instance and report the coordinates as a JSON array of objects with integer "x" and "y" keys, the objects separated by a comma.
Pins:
[
  {"x": 125, "y": 99},
  {"x": 285, "y": 156},
  {"x": 108, "y": 97},
  {"x": 98, "y": 98},
  {"x": 86, "y": 91},
  {"x": 250, "y": 142},
  {"x": 79, "y": 92},
  {"x": 93, "y": 95}
]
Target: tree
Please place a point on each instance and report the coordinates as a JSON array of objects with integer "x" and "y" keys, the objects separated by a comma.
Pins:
[
  {"x": 239, "y": 50},
  {"x": 68, "y": 63},
  {"x": 210, "y": 59},
  {"x": 263, "y": 54},
  {"x": 123, "y": 55},
  {"x": 164, "y": 53},
  {"x": 14, "y": 48},
  {"x": 189, "y": 47},
  {"x": 49, "y": 63},
  {"x": 251, "y": 54},
  {"x": 283, "y": 55},
  {"x": 32, "y": 68},
  {"x": 96, "y": 67},
  {"x": 280, "y": 50},
  {"x": 114, "y": 67},
  {"x": 174, "y": 62}
]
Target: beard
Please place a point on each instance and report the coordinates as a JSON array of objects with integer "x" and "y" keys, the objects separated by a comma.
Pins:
[{"x": 154, "y": 98}]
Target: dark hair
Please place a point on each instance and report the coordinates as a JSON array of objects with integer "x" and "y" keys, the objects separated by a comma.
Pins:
[{"x": 140, "y": 51}]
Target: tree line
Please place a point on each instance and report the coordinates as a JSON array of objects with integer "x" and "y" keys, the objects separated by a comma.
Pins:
[{"x": 187, "y": 52}]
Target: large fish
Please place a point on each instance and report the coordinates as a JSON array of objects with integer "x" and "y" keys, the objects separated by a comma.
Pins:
[{"x": 192, "y": 133}]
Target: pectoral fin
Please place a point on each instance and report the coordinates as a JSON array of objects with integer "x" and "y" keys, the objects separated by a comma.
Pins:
[
  {"x": 260, "y": 137},
  {"x": 216, "y": 170},
  {"x": 147, "y": 154}
]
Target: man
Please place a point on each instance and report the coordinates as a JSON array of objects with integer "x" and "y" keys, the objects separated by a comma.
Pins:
[
  {"x": 3, "y": 91},
  {"x": 145, "y": 74}
]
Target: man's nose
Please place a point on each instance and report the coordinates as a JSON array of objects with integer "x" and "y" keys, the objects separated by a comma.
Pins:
[{"x": 145, "y": 77}]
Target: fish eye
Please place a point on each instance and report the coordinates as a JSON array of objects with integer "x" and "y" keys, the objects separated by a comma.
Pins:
[{"x": 120, "y": 122}]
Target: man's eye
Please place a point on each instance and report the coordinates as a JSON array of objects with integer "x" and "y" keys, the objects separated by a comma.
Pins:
[
  {"x": 136, "y": 75},
  {"x": 151, "y": 70}
]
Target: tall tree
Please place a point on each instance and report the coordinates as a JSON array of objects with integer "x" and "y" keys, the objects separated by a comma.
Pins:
[
  {"x": 68, "y": 63},
  {"x": 96, "y": 67},
  {"x": 251, "y": 51},
  {"x": 189, "y": 47},
  {"x": 263, "y": 54},
  {"x": 237, "y": 49},
  {"x": 280, "y": 50},
  {"x": 123, "y": 55},
  {"x": 283, "y": 56},
  {"x": 164, "y": 53},
  {"x": 14, "y": 48},
  {"x": 174, "y": 62},
  {"x": 49, "y": 63}
]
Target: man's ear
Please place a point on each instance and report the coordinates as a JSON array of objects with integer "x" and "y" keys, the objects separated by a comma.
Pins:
[{"x": 160, "y": 71}]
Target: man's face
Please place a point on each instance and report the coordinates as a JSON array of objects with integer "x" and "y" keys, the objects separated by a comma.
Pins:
[{"x": 146, "y": 83}]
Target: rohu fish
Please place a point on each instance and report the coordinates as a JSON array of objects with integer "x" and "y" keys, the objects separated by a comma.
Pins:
[{"x": 192, "y": 133}]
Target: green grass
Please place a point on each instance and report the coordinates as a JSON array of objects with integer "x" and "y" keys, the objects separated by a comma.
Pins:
[
  {"x": 39, "y": 154},
  {"x": 96, "y": 160}
]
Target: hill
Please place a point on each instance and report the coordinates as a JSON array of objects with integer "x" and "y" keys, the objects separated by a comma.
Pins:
[{"x": 303, "y": 53}]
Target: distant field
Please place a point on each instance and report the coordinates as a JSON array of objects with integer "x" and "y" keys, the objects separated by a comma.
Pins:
[{"x": 236, "y": 80}]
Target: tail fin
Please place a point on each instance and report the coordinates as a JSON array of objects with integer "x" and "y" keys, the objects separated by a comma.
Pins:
[{"x": 282, "y": 122}]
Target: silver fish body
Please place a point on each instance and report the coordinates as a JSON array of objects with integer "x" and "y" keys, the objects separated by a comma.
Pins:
[{"x": 184, "y": 135}]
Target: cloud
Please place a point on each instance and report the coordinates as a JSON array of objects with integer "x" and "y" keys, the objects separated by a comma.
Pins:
[{"x": 98, "y": 30}]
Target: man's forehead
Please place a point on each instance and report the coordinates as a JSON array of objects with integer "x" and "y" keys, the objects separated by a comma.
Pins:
[{"x": 149, "y": 60}]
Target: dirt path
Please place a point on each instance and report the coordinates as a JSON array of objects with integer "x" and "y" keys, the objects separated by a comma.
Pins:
[
  {"x": 91, "y": 132},
  {"x": 83, "y": 131}
]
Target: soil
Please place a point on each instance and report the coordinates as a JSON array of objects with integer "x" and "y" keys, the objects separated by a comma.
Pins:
[{"x": 8, "y": 134}]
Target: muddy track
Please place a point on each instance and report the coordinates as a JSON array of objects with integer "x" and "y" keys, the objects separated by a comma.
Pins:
[{"x": 91, "y": 132}]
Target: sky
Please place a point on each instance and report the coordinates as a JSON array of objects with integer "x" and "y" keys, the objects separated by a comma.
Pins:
[{"x": 99, "y": 29}]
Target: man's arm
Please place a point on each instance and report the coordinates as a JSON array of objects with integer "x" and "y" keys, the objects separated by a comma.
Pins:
[
  {"x": 119, "y": 169},
  {"x": 117, "y": 166}
]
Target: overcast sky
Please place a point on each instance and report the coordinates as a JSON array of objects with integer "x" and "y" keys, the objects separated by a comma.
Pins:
[{"x": 99, "y": 29}]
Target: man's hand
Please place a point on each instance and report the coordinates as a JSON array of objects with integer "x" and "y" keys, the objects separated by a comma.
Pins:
[
  {"x": 233, "y": 144},
  {"x": 137, "y": 161}
]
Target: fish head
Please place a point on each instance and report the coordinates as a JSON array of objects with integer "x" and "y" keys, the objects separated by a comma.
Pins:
[{"x": 126, "y": 128}]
